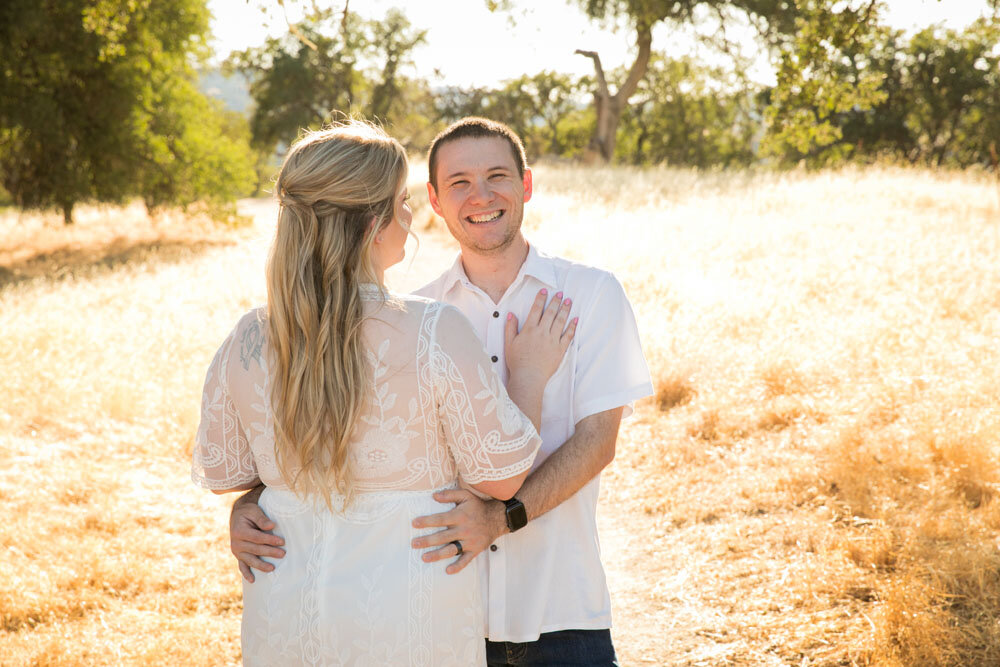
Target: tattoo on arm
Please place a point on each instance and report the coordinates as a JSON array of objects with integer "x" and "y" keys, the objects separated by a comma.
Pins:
[{"x": 250, "y": 344}]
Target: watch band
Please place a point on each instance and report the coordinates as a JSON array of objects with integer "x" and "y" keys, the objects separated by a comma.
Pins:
[{"x": 517, "y": 516}]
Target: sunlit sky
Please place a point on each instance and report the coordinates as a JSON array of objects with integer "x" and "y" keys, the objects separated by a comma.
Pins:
[{"x": 469, "y": 45}]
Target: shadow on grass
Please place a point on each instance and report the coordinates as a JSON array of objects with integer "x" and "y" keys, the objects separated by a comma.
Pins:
[{"x": 73, "y": 260}]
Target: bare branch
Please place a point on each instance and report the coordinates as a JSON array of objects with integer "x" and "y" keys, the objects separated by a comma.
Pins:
[
  {"x": 602, "y": 84},
  {"x": 294, "y": 29}
]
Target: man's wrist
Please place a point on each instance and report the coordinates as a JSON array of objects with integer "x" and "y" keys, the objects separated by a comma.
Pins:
[
  {"x": 497, "y": 513},
  {"x": 250, "y": 497}
]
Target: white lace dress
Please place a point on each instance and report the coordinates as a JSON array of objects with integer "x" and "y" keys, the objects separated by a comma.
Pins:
[{"x": 350, "y": 589}]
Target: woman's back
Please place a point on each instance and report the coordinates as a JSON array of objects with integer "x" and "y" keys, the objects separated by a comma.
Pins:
[
  {"x": 436, "y": 408},
  {"x": 350, "y": 590}
]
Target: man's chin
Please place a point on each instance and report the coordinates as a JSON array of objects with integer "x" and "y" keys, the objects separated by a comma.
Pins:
[{"x": 494, "y": 247}]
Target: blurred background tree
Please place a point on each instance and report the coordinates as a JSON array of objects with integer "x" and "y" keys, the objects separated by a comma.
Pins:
[
  {"x": 335, "y": 64},
  {"x": 686, "y": 113},
  {"x": 98, "y": 101}
]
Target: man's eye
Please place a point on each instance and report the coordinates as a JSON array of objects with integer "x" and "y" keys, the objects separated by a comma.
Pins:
[
  {"x": 456, "y": 184},
  {"x": 497, "y": 177}
]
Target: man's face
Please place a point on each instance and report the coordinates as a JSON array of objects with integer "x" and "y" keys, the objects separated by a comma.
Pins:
[{"x": 480, "y": 194}]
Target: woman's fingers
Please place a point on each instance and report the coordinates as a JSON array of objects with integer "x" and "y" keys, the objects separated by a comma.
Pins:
[
  {"x": 510, "y": 330},
  {"x": 561, "y": 315},
  {"x": 551, "y": 311},
  {"x": 537, "y": 308},
  {"x": 569, "y": 333}
]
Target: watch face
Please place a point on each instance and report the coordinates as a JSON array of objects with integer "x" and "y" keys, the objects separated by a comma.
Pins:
[{"x": 517, "y": 517}]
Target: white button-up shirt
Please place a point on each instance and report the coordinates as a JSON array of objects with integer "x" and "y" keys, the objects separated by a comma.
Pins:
[{"x": 548, "y": 575}]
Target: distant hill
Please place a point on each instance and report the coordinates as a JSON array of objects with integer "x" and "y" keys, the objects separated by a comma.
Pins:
[{"x": 234, "y": 91}]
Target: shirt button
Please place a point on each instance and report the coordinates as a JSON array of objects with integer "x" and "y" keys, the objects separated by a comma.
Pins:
[
  {"x": 493, "y": 547},
  {"x": 496, "y": 313},
  {"x": 495, "y": 358}
]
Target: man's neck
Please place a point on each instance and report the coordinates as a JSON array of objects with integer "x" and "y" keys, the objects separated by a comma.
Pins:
[{"x": 494, "y": 273}]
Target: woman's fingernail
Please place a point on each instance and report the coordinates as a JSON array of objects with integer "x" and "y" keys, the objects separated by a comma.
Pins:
[
  {"x": 575, "y": 320},
  {"x": 558, "y": 295},
  {"x": 510, "y": 316},
  {"x": 544, "y": 291},
  {"x": 567, "y": 302}
]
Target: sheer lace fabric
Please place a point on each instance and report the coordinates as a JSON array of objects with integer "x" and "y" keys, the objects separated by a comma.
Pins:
[
  {"x": 437, "y": 407},
  {"x": 437, "y": 411}
]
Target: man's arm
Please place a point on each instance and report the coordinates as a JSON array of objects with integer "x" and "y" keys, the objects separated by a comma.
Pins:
[
  {"x": 248, "y": 538},
  {"x": 477, "y": 523}
]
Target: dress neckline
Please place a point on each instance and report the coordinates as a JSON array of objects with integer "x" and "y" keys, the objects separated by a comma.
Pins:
[{"x": 371, "y": 291}]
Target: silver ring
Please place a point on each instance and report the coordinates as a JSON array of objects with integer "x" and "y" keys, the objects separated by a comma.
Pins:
[{"x": 458, "y": 545}]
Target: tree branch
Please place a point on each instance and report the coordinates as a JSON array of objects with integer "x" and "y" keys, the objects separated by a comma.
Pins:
[
  {"x": 602, "y": 84},
  {"x": 638, "y": 69},
  {"x": 863, "y": 20},
  {"x": 294, "y": 29}
]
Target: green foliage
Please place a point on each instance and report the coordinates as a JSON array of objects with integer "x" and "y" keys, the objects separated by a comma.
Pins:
[
  {"x": 934, "y": 99},
  {"x": 97, "y": 101},
  {"x": 686, "y": 114},
  {"x": 338, "y": 66},
  {"x": 545, "y": 109},
  {"x": 953, "y": 84},
  {"x": 812, "y": 91}
]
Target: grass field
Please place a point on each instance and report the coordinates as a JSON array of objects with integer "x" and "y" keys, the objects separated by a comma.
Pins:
[{"x": 816, "y": 482}]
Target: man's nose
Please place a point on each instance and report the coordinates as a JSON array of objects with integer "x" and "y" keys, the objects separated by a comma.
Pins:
[{"x": 481, "y": 190}]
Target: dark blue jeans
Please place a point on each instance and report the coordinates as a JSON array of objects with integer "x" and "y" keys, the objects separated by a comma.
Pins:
[{"x": 565, "y": 648}]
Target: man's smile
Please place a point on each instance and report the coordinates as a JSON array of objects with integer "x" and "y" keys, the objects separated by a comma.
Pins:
[{"x": 481, "y": 218}]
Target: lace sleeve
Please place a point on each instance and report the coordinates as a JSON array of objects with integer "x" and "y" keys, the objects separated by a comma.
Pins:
[
  {"x": 222, "y": 458},
  {"x": 489, "y": 437}
]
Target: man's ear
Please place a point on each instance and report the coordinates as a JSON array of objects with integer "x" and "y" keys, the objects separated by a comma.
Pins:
[
  {"x": 433, "y": 198},
  {"x": 526, "y": 181}
]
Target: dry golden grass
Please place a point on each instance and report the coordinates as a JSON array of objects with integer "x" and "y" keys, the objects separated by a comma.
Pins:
[{"x": 815, "y": 482}]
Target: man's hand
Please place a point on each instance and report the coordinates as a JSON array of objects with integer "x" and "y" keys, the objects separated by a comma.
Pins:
[
  {"x": 247, "y": 537},
  {"x": 473, "y": 522}
]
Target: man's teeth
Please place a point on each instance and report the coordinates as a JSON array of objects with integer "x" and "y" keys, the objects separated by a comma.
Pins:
[{"x": 486, "y": 217}]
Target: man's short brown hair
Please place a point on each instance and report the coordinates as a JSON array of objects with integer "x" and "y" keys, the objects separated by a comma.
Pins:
[{"x": 475, "y": 127}]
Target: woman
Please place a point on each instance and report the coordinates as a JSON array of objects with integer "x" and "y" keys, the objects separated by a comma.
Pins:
[{"x": 353, "y": 406}]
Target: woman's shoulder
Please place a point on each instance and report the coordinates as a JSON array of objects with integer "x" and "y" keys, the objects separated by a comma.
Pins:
[
  {"x": 251, "y": 327},
  {"x": 418, "y": 313},
  {"x": 244, "y": 347},
  {"x": 418, "y": 307}
]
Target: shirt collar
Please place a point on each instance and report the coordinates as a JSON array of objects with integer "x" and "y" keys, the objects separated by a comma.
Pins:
[
  {"x": 536, "y": 265},
  {"x": 539, "y": 266}
]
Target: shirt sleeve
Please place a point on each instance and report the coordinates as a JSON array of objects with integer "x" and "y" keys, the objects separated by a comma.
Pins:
[
  {"x": 611, "y": 369},
  {"x": 222, "y": 458},
  {"x": 487, "y": 434}
]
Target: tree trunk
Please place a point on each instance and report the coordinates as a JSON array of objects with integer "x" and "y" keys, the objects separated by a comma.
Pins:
[
  {"x": 609, "y": 107},
  {"x": 67, "y": 210}
]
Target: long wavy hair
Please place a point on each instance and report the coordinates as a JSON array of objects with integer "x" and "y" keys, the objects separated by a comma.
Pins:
[{"x": 331, "y": 187}]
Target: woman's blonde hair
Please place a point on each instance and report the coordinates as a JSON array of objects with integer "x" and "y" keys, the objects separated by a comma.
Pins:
[{"x": 333, "y": 183}]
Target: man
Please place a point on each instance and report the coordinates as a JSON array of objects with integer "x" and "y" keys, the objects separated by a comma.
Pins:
[{"x": 547, "y": 600}]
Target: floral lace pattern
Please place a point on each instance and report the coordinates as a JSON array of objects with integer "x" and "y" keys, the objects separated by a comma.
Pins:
[
  {"x": 350, "y": 590},
  {"x": 437, "y": 408}
]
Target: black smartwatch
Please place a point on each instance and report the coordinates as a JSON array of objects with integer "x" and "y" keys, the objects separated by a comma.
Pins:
[{"x": 517, "y": 516}]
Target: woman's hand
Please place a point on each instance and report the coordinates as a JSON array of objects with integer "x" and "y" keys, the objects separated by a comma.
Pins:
[{"x": 535, "y": 351}]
